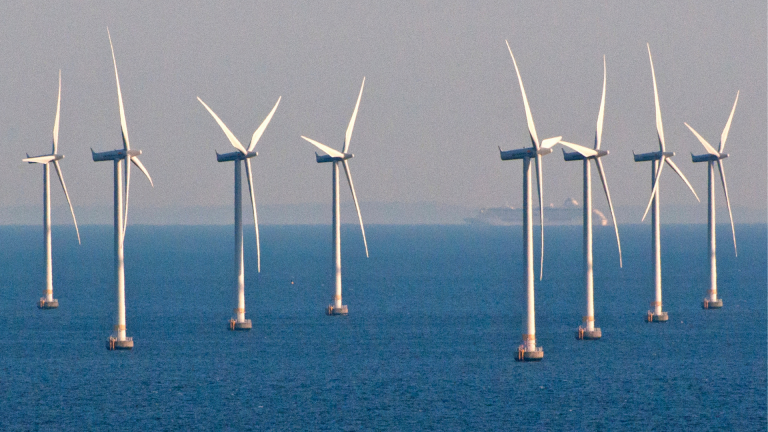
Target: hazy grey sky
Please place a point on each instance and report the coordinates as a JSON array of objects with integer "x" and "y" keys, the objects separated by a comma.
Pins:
[{"x": 441, "y": 94}]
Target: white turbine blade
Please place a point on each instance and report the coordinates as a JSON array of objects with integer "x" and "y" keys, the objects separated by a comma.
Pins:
[
  {"x": 123, "y": 125},
  {"x": 64, "y": 186},
  {"x": 659, "y": 127},
  {"x": 56, "y": 122},
  {"x": 727, "y": 128},
  {"x": 528, "y": 116},
  {"x": 140, "y": 166},
  {"x": 127, "y": 189},
  {"x": 680, "y": 173},
  {"x": 232, "y": 139},
  {"x": 550, "y": 142},
  {"x": 584, "y": 151},
  {"x": 728, "y": 201},
  {"x": 610, "y": 206},
  {"x": 655, "y": 187},
  {"x": 255, "y": 218},
  {"x": 601, "y": 113},
  {"x": 703, "y": 142},
  {"x": 39, "y": 159},
  {"x": 260, "y": 130},
  {"x": 541, "y": 212},
  {"x": 357, "y": 206},
  {"x": 327, "y": 150},
  {"x": 351, "y": 126}
]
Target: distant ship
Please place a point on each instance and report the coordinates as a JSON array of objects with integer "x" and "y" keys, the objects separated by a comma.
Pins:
[{"x": 569, "y": 213}]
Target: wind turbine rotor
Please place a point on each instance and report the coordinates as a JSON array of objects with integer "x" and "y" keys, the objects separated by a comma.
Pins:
[
  {"x": 727, "y": 128},
  {"x": 127, "y": 189},
  {"x": 325, "y": 149},
  {"x": 659, "y": 126},
  {"x": 140, "y": 166},
  {"x": 64, "y": 186},
  {"x": 720, "y": 167},
  {"x": 135, "y": 160},
  {"x": 126, "y": 142},
  {"x": 547, "y": 144},
  {"x": 704, "y": 142},
  {"x": 680, "y": 173},
  {"x": 539, "y": 186},
  {"x": 232, "y": 139},
  {"x": 728, "y": 201},
  {"x": 584, "y": 151},
  {"x": 253, "y": 205},
  {"x": 348, "y": 136},
  {"x": 56, "y": 121},
  {"x": 528, "y": 116},
  {"x": 123, "y": 125},
  {"x": 601, "y": 113},
  {"x": 655, "y": 186},
  {"x": 260, "y": 131},
  {"x": 603, "y": 180},
  {"x": 357, "y": 206}
]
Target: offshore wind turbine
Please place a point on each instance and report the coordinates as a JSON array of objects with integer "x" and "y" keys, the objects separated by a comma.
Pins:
[
  {"x": 528, "y": 351},
  {"x": 336, "y": 157},
  {"x": 242, "y": 155},
  {"x": 658, "y": 160},
  {"x": 715, "y": 157},
  {"x": 589, "y": 331},
  {"x": 48, "y": 302},
  {"x": 118, "y": 339}
]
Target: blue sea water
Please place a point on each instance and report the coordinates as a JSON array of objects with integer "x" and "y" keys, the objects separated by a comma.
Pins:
[{"x": 435, "y": 317}]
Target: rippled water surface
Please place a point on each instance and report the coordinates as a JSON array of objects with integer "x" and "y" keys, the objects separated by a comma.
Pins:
[{"x": 436, "y": 314}]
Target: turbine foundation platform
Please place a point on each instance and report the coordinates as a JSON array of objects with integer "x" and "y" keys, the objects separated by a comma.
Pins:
[
  {"x": 113, "y": 344},
  {"x": 584, "y": 334},
  {"x": 337, "y": 311},
  {"x": 652, "y": 317},
  {"x": 709, "y": 304},
  {"x": 523, "y": 355},
  {"x": 52, "y": 304},
  {"x": 240, "y": 325}
]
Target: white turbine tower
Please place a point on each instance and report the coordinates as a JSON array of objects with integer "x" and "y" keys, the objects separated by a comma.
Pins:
[
  {"x": 48, "y": 302},
  {"x": 715, "y": 156},
  {"x": 118, "y": 340},
  {"x": 658, "y": 159},
  {"x": 337, "y": 158},
  {"x": 589, "y": 331},
  {"x": 242, "y": 155},
  {"x": 529, "y": 351}
]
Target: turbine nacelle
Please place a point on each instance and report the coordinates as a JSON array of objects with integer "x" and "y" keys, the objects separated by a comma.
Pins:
[
  {"x": 572, "y": 156},
  {"x": 328, "y": 158},
  {"x": 708, "y": 157},
  {"x": 44, "y": 159},
  {"x": 523, "y": 153},
  {"x": 644, "y": 157},
  {"x": 114, "y": 155},
  {"x": 235, "y": 156}
]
